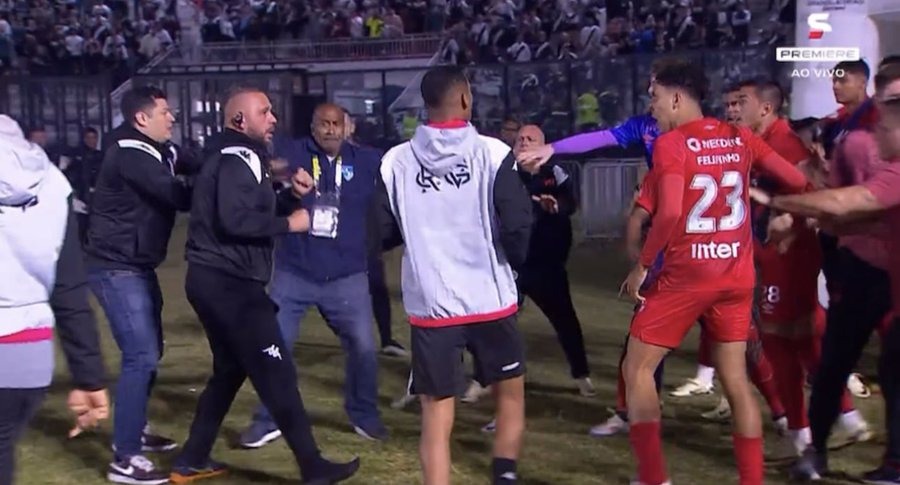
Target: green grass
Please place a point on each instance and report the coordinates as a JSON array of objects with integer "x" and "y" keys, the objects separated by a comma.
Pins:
[{"x": 557, "y": 451}]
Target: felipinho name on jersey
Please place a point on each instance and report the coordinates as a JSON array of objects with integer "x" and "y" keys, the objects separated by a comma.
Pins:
[{"x": 817, "y": 54}]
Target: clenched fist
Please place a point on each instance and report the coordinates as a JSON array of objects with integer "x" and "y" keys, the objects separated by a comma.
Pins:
[
  {"x": 302, "y": 183},
  {"x": 89, "y": 408}
]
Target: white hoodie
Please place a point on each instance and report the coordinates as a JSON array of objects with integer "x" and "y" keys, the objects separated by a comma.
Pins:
[
  {"x": 34, "y": 211},
  {"x": 441, "y": 190}
]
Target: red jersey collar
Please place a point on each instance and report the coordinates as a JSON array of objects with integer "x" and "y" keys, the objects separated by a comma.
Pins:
[{"x": 449, "y": 124}]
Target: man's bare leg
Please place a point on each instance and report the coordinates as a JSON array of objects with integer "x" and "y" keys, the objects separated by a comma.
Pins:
[
  {"x": 509, "y": 396},
  {"x": 731, "y": 366},
  {"x": 434, "y": 442},
  {"x": 642, "y": 401}
]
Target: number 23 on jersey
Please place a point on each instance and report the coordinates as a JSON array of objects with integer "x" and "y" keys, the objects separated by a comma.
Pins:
[{"x": 732, "y": 186}]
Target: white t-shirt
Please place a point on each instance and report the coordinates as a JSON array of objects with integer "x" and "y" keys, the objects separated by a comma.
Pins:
[{"x": 75, "y": 45}]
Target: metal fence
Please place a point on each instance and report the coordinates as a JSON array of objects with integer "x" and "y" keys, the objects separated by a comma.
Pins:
[
  {"x": 607, "y": 189},
  {"x": 230, "y": 56}
]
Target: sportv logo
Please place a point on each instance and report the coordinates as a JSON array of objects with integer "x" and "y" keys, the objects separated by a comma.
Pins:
[{"x": 818, "y": 25}]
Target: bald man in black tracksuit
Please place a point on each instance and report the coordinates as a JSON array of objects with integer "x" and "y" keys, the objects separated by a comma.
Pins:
[{"x": 544, "y": 278}]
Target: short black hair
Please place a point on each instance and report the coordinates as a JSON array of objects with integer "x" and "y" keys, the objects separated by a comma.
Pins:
[
  {"x": 139, "y": 99},
  {"x": 886, "y": 75},
  {"x": 686, "y": 76},
  {"x": 32, "y": 129},
  {"x": 887, "y": 61},
  {"x": 890, "y": 107},
  {"x": 854, "y": 67},
  {"x": 90, "y": 130},
  {"x": 438, "y": 81},
  {"x": 766, "y": 90},
  {"x": 804, "y": 123}
]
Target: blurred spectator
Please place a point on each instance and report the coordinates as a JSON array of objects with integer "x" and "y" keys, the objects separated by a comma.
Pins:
[{"x": 82, "y": 38}]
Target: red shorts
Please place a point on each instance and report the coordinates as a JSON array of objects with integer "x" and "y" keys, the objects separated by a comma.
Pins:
[{"x": 666, "y": 316}]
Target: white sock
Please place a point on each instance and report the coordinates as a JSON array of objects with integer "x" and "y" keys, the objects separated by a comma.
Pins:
[
  {"x": 852, "y": 420},
  {"x": 801, "y": 438},
  {"x": 705, "y": 375}
]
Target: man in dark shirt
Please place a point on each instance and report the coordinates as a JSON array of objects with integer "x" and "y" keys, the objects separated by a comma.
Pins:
[
  {"x": 82, "y": 173},
  {"x": 543, "y": 278},
  {"x": 234, "y": 219},
  {"x": 133, "y": 211}
]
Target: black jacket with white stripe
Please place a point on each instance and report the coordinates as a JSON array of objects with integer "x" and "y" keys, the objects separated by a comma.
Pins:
[
  {"x": 235, "y": 212},
  {"x": 135, "y": 200}
]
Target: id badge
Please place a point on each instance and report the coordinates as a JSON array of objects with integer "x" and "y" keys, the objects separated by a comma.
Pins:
[{"x": 324, "y": 219}]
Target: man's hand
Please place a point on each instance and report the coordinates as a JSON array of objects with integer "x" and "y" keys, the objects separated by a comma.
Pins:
[
  {"x": 632, "y": 284},
  {"x": 298, "y": 221},
  {"x": 89, "y": 408},
  {"x": 781, "y": 232},
  {"x": 302, "y": 183},
  {"x": 531, "y": 159},
  {"x": 547, "y": 202},
  {"x": 760, "y": 196}
]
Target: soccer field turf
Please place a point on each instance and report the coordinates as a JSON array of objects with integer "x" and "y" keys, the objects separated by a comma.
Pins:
[{"x": 557, "y": 450}]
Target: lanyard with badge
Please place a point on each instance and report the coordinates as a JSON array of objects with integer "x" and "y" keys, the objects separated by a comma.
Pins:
[{"x": 327, "y": 206}]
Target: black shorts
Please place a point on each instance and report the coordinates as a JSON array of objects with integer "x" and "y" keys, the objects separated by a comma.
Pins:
[{"x": 437, "y": 356}]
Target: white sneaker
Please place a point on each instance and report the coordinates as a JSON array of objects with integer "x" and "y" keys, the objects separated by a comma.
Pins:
[
  {"x": 613, "y": 426},
  {"x": 858, "y": 387},
  {"x": 403, "y": 401},
  {"x": 721, "y": 412},
  {"x": 850, "y": 429},
  {"x": 586, "y": 387},
  {"x": 692, "y": 387},
  {"x": 475, "y": 392},
  {"x": 791, "y": 444}
]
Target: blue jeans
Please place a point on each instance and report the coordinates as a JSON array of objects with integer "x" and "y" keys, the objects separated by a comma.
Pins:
[
  {"x": 133, "y": 303},
  {"x": 347, "y": 308}
]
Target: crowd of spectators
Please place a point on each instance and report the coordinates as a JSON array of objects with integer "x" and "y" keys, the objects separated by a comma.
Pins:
[
  {"x": 516, "y": 30},
  {"x": 579, "y": 29},
  {"x": 40, "y": 37}
]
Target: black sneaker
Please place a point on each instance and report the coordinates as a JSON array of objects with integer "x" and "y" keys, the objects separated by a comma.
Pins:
[
  {"x": 394, "y": 349},
  {"x": 188, "y": 474},
  {"x": 372, "y": 432},
  {"x": 135, "y": 470},
  {"x": 328, "y": 473},
  {"x": 153, "y": 443},
  {"x": 884, "y": 475},
  {"x": 258, "y": 435}
]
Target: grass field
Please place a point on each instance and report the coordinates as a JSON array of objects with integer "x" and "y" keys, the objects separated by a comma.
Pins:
[{"x": 558, "y": 450}]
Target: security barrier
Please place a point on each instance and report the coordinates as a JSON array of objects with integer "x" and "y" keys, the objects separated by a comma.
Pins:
[{"x": 607, "y": 189}]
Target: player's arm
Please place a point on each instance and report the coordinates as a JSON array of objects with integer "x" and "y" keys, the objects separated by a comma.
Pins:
[
  {"x": 774, "y": 166},
  {"x": 625, "y": 134},
  {"x": 847, "y": 203},
  {"x": 633, "y": 231},
  {"x": 385, "y": 227},
  {"x": 668, "y": 161}
]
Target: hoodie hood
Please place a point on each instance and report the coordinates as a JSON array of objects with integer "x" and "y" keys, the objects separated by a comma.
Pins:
[
  {"x": 23, "y": 165},
  {"x": 441, "y": 149}
]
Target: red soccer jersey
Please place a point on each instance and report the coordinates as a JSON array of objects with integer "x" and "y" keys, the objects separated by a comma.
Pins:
[
  {"x": 708, "y": 243},
  {"x": 789, "y": 280}
]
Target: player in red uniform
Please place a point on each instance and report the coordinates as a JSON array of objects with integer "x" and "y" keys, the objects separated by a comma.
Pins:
[
  {"x": 788, "y": 271},
  {"x": 701, "y": 223}
]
